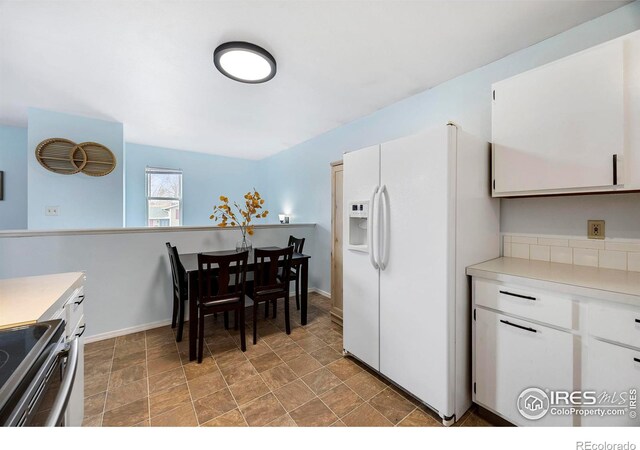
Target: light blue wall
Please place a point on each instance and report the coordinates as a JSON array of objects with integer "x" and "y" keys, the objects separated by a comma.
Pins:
[
  {"x": 13, "y": 162},
  {"x": 300, "y": 177},
  {"x": 84, "y": 201},
  {"x": 205, "y": 178},
  {"x": 297, "y": 181}
]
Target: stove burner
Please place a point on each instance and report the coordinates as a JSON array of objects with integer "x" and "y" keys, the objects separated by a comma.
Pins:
[{"x": 15, "y": 345}]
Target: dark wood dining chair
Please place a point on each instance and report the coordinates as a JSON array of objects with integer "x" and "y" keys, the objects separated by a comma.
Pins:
[
  {"x": 268, "y": 285},
  {"x": 180, "y": 290},
  {"x": 221, "y": 288},
  {"x": 298, "y": 246}
]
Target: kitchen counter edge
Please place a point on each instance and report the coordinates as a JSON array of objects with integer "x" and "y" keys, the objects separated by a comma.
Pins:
[
  {"x": 608, "y": 285},
  {"x": 52, "y": 303}
]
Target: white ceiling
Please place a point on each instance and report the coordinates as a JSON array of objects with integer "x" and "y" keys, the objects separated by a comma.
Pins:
[{"x": 149, "y": 64}]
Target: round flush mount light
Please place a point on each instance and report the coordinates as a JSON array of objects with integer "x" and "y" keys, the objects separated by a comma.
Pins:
[{"x": 244, "y": 62}]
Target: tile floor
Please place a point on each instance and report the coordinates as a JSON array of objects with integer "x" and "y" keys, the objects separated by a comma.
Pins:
[{"x": 146, "y": 378}]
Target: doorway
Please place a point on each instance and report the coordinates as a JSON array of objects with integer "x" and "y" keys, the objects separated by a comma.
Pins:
[{"x": 336, "y": 242}]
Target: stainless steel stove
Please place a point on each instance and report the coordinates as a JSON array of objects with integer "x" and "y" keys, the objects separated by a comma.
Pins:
[{"x": 37, "y": 370}]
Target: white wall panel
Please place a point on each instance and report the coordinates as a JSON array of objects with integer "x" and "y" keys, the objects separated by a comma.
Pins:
[{"x": 128, "y": 276}]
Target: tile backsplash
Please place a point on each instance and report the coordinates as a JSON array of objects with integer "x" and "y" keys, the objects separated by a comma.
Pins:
[{"x": 622, "y": 254}]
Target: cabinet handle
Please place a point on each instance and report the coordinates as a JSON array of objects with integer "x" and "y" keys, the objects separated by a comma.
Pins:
[
  {"x": 81, "y": 297},
  {"x": 637, "y": 320},
  {"x": 526, "y": 297},
  {"x": 84, "y": 328},
  {"x": 506, "y": 322},
  {"x": 636, "y": 360},
  {"x": 615, "y": 170}
]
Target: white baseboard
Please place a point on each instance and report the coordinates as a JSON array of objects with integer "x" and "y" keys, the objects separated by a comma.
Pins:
[
  {"x": 123, "y": 331},
  {"x": 314, "y": 291},
  {"x": 321, "y": 292},
  {"x": 162, "y": 323}
]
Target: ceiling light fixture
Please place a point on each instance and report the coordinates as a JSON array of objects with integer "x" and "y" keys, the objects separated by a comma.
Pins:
[{"x": 244, "y": 62}]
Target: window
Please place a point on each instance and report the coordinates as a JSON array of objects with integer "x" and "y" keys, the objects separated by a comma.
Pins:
[{"x": 164, "y": 197}]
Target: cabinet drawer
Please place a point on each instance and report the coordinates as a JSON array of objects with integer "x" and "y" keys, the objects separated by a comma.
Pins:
[
  {"x": 618, "y": 323},
  {"x": 74, "y": 311},
  {"x": 612, "y": 369},
  {"x": 531, "y": 304}
]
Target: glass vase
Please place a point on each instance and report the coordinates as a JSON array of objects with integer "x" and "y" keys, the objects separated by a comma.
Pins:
[{"x": 243, "y": 244}]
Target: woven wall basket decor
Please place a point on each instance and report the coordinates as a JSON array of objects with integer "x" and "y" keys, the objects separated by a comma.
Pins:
[{"x": 66, "y": 157}]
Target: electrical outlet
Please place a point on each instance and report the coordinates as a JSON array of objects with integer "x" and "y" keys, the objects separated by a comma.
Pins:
[
  {"x": 595, "y": 229},
  {"x": 51, "y": 210}
]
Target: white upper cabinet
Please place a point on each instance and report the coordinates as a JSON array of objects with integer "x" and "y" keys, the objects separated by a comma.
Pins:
[{"x": 570, "y": 126}]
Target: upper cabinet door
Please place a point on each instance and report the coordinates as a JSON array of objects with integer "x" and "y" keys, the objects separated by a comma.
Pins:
[{"x": 556, "y": 129}]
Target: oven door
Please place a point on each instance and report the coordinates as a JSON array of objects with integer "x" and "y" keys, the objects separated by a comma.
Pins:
[{"x": 49, "y": 394}]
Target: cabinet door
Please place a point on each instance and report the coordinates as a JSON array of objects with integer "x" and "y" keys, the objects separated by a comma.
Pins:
[
  {"x": 512, "y": 355},
  {"x": 612, "y": 369},
  {"x": 557, "y": 128}
]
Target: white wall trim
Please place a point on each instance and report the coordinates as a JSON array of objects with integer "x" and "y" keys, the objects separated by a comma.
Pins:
[
  {"x": 31, "y": 233},
  {"x": 313, "y": 291},
  {"x": 321, "y": 292},
  {"x": 123, "y": 331}
]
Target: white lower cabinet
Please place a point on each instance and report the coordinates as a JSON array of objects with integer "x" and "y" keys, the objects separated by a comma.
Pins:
[
  {"x": 513, "y": 355},
  {"x": 614, "y": 371},
  {"x": 562, "y": 344}
]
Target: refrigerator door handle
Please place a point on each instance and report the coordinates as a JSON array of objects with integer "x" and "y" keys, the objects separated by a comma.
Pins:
[
  {"x": 371, "y": 228},
  {"x": 386, "y": 219}
]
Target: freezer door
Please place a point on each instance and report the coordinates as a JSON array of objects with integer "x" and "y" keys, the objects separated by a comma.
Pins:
[
  {"x": 415, "y": 334},
  {"x": 360, "y": 277}
]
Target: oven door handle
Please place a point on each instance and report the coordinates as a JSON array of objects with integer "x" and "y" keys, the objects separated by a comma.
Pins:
[{"x": 62, "y": 399}]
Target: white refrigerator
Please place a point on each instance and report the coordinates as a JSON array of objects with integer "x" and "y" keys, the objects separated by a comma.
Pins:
[{"x": 418, "y": 211}]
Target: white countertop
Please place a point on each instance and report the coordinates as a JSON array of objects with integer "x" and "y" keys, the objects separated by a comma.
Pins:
[
  {"x": 27, "y": 300},
  {"x": 603, "y": 284}
]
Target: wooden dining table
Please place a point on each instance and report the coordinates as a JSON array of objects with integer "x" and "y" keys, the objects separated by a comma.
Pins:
[{"x": 190, "y": 263}]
